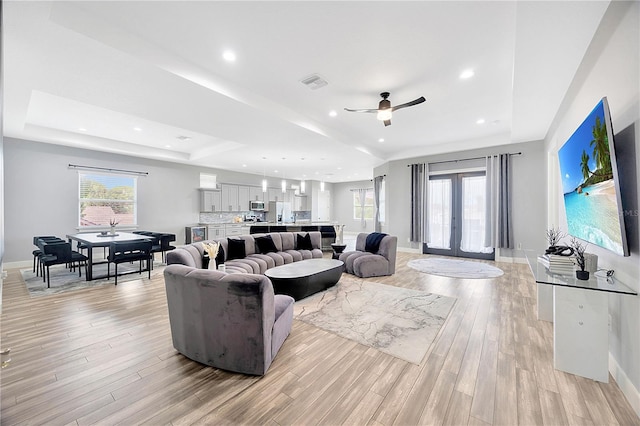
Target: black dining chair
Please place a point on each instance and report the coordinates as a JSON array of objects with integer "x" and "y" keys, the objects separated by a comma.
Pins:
[
  {"x": 129, "y": 251},
  {"x": 59, "y": 253},
  {"x": 37, "y": 253},
  {"x": 165, "y": 243}
]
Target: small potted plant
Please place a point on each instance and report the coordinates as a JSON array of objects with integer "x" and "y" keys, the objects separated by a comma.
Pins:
[
  {"x": 578, "y": 252},
  {"x": 554, "y": 235},
  {"x": 113, "y": 223}
]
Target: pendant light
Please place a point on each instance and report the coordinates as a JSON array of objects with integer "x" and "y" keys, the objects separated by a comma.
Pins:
[
  {"x": 264, "y": 176},
  {"x": 302, "y": 187}
]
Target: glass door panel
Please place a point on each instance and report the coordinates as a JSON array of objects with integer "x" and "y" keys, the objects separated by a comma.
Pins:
[
  {"x": 456, "y": 211},
  {"x": 439, "y": 211}
]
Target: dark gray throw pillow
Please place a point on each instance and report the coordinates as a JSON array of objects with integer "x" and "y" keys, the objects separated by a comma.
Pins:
[
  {"x": 304, "y": 242},
  {"x": 236, "y": 249},
  {"x": 266, "y": 245}
]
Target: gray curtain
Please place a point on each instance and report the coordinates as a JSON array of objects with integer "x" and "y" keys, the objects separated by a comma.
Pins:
[
  {"x": 363, "y": 194},
  {"x": 505, "y": 216},
  {"x": 499, "y": 221},
  {"x": 424, "y": 217},
  {"x": 377, "y": 185},
  {"x": 417, "y": 202}
]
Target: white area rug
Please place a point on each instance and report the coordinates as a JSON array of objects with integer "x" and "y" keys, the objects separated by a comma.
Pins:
[
  {"x": 63, "y": 280},
  {"x": 455, "y": 268},
  {"x": 400, "y": 322}
]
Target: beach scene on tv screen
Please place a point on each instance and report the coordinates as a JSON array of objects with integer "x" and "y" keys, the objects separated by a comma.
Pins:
[{"x": 588, "y": 184}]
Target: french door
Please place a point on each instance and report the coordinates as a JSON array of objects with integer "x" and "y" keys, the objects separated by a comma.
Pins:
[{"x": 456, "y": 210}]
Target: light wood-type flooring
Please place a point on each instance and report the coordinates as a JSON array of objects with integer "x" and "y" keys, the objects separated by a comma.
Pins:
[{"x": 104, "y": 356}]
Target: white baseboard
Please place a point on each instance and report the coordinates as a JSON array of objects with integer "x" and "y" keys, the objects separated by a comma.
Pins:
[
  {"x": 409, "y": 250},
  {"x": 625, "y": 385},
  {"x": 19, "y": 264}
]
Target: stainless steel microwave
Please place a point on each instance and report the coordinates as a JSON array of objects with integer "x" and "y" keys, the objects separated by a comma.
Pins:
[{"x": 257, "y": 206}]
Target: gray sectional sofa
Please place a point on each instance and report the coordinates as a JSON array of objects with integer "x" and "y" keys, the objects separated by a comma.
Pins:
[
  {"x": 228, "y": 321},
  {"x": 233, "y": 320},
  {"x": 286, "y": 245}
]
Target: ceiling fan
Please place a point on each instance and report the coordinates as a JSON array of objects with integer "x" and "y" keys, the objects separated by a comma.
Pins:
[{"x": 385, "y": 109}]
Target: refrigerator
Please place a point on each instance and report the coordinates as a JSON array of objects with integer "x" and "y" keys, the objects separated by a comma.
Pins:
[{"x": 279, "y": 211}]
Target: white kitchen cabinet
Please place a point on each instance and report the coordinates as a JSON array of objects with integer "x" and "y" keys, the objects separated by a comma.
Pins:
[
  {"x": 229, "y": 198},
  {"x": 299, "y": 203},
  {"x": 275, "y": 194},
  {"x": 210, "y": 201},
  {"x": 256, "y": 194},
  {"x": 215, "y": 231},
  {"x": 235, "y": 229},
  {"x": 243, "y": 198}
]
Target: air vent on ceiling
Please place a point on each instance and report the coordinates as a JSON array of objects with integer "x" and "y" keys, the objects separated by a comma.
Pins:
[{"x": 314, "y": 82}]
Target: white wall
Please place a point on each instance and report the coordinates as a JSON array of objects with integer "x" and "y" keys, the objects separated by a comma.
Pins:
[
  {"x": 529, "y": 192},
  {"x": 41, "y": 192},
  {"x": 611, "y": 68},
  {"x": 343, "y": 206}
]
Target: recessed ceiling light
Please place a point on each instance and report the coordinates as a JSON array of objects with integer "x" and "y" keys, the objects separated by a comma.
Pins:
[
  {"x": 339, "y": 168},
  {"x": 381, "y": 140},
  {"x": 466, "y": 74},
  {"x": 275, "y": 171},
  {"x": 137, "y": 129},
  {"x": 244, "y": 165},
  {"x": 167, "y": 146},
  {"x": 480, "y": 121},
  {"x": 82, "y": 129},
  {"x": 229, "y": 56},
  {"x": 332, "y": 113}
]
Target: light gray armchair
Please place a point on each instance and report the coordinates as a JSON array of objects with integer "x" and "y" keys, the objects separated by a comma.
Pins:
[
  {"x": 228, "y": 321},
  {"x": 374, "y": 256}
]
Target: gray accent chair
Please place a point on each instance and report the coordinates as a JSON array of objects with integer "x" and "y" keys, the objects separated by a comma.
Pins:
[
  {"x": 365, "y": 264},
  {"x": 228, "y": 321}
]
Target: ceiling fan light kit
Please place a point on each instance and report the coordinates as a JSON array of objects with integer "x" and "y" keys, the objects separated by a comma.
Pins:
[{"x": 385, "y": 110}]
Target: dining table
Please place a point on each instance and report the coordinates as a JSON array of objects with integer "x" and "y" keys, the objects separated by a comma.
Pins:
[{"x": 89, "y": 240}]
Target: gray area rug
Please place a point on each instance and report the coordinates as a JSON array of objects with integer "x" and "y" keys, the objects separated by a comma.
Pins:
[
  {"x": 455, "y": 268},
  {"x": 63, "y": 280},
  {"x": 398, "y": 321}
]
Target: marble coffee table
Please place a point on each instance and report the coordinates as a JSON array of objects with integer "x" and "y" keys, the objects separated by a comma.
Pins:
[{"x": 306, "y": 277}]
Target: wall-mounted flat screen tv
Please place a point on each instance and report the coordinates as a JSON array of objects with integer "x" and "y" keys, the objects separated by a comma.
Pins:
[{"x": 590, "y": 183}]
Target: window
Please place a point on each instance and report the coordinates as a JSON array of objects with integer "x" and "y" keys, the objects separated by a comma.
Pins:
[
  {"x": 105, "y": 198},
  {"x": 368, "y": 205}
]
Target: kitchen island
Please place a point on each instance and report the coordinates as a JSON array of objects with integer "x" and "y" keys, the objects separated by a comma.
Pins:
[{"x": 328, "y": 230}]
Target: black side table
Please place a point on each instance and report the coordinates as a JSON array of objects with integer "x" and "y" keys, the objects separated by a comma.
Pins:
[{"x": 337, "y": 250}]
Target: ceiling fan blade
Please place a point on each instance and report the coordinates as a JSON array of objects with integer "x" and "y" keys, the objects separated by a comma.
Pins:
[
  {"x": 361, "y": 110},
  {"x": 387, "y": 123},
  {"x": 420, "y": 100}
]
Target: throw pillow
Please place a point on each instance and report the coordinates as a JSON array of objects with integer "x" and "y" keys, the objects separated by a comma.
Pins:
[
  {"x": 304, "y": 242},
  {"x": 236, "y": 249},
  {"x": 266, "y": 245},
  {"x": 220, "y": 256}
]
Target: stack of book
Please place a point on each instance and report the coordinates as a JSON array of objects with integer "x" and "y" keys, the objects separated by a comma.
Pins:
[{"x": 563, "y": 265}]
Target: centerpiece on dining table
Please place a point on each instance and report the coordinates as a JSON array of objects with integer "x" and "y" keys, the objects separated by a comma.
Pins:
[{"x": 112, "y": 224}]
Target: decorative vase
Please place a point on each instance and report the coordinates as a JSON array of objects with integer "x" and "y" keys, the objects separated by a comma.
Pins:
[
  {"x": 113, "y": 230},
  {"x": 582, "y": 275}
]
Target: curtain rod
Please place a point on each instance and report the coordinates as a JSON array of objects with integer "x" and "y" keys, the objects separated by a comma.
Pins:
[
  {"x": 358, "y": 189},
  {"x": 383, "y": 176},
  {"x": 468, "y": 159},
  {"x": 105, "y": 169}
]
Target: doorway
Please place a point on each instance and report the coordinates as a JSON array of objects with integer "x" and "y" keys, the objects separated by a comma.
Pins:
[{"x": 456, "y": 211}]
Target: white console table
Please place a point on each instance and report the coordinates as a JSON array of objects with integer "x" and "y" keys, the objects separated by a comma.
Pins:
[{"x": 580, "y": 318}]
